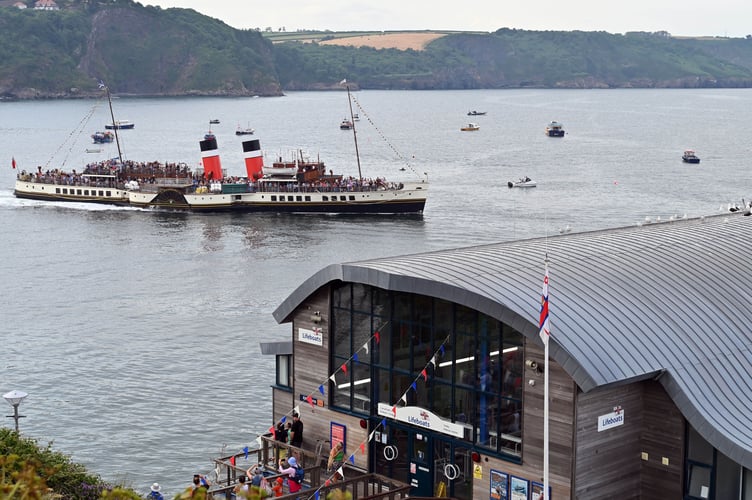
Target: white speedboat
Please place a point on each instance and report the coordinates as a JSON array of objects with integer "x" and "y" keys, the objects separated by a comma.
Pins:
[{"x": 523, "y": 182}]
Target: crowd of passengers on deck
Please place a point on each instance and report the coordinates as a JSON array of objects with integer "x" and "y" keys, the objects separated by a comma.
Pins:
[{"x": 115, "y": 174}]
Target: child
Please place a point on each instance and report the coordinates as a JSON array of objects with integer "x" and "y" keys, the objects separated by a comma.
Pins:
[{"x": 277, "y": 488}]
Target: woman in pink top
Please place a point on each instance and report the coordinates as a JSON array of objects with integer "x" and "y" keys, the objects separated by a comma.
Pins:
[{"x": 290, "y": 471}]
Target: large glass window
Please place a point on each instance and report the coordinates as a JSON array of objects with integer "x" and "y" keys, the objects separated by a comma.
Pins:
[{"x": 473, "y": 364}]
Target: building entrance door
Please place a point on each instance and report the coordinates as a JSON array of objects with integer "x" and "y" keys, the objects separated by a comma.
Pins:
[
  {"x": 452, "y": 469},
  {"x": 406, "y": 454}
]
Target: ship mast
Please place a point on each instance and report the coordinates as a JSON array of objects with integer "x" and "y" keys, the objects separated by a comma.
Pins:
[
  {"x": 114, "y": 124},
  {"x": 355, "y": 134}
]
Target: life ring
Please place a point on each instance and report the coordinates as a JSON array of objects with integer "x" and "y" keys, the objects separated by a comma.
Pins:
[
  {"x": 391, "y": 452},
  {"x": 451, "y": 471}
]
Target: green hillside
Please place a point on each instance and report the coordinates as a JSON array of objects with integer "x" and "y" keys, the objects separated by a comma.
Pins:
[{"x": 140, "y": 50}]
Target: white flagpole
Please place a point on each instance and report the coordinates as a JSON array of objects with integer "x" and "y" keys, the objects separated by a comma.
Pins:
[
  {"x": 545, "y": 425},
  {"x": 545, "y": 335}
]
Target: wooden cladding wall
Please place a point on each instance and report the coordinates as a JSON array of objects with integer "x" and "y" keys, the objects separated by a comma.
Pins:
[
  {"x": 561, "y": 423},
  {"x": 663, "y": 431},
  {"x": 608, "y": 462},
  {"x": 641, "y": 459}
]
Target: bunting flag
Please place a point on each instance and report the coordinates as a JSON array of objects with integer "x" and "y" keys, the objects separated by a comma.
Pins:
[
  {"x": 365, "y": 346},
  {"x": 341, "y": 472},
  {"x": 363, "y": 448},
  {"x": 13, "y": 162},
  {"x": 425, "y": 374},
  {"x": 414, "y": 386},
  {"x": 333, "y": 379},
  {"x": 355, "y": 357},
  {"x": 433, "y": 361},
  {"x": 441, "y": 349},
  {"x": 271, "y": 429},
  {"x": 232, "y": 460},
  {"x": 543, "y": 330},
  {"x": 394, "y": 411},
  {"x": 317, "y": 495},
  {"x": 344, "y": 368},
  {"x": 245, "y": 450},
  {"x": 321, "y": 389},
  {"x": 351, "y": 458},
  {"x": 377, "y": 336},
  {"x": 310, "y": 400},
  {"x": 284, "y": 417}
]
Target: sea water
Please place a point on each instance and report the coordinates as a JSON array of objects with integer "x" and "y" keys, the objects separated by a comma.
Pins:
[{"x": 136, "y": 333}]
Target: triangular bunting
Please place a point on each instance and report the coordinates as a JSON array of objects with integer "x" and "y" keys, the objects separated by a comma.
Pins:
[
  {"x": 341, "y": 473},
  {"x": 433, "y": 361},
  {"x": 333, "y": 379},
  {"x": 425, "y": 374},
  {"x": 284, "y": 417},
  {"x": 355, "y": 357},
  {"x": 394, "y": 411},
  {"x": 441, "y": 349},
  {"x": 363, "y": 448},
  {"x": 344, "y": 367},
  {"x": 351, "y": 458},
  {"x": 232, "y": 460},
  {"x": 414, "y": 386},
  {"x": 365, "y": 346},
  {"x": 321, "y": 390},
  {"x": 245, "y": 450},
  {"x": 310, "y": 400},
  {"x": 377, "y": 336}
]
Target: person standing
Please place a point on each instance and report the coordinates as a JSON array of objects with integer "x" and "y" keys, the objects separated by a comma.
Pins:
[
  {"x": 296, "y": 431},
  {"x": 290, "y": 468},
  {"x": 155, "y": 493}
]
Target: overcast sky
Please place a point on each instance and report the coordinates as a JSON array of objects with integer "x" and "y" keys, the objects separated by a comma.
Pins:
[{"x": 732, "y": 18}]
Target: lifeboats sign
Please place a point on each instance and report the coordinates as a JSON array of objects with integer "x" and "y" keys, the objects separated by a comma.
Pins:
[
  {"x": 416, "y": 415},
  {"x": 609, "y": 420},
  {"x": 311, "y": 336}
]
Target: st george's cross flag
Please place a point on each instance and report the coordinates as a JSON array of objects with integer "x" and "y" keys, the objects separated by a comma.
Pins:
[{"x": 543, "y": 330}]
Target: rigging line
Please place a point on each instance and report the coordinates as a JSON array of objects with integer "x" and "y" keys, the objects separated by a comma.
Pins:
[
  {"x": 72, "y": 137},
  {"x": 391, "y": 146}
]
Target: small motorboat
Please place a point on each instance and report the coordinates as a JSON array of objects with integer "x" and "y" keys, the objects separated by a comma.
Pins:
[
  {"x": 523, "y": 182},
  {"x": 103, "y": 137},
  {"x": 476, "y": 113},
  {"x": 689, "y": 156},
  {"x": 244, "y": 131},
  {"x": 470, "y": 127},
  {"x": 346, "y": 124},
  {"x": 555, "y": 129},
  {"x": 214, "y": 121}
]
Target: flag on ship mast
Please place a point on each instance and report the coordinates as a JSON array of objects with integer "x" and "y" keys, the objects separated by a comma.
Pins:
[{"x": 13, "y": 162}]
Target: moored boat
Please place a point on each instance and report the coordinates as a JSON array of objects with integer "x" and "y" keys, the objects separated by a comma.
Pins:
[
  {"x": 476, "y": 113},
  {"x": 214, "y": 121},
  {"x": 346, "y": 124},
  {"x": 470, "y": 127},
  {"x": 690, "y": 156},
  {"x": 120, "y": 125},
  {"x": 555, "y": 129}
]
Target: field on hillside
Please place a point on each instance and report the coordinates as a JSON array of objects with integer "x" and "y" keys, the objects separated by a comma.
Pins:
[{"x": 402, "y": 40}]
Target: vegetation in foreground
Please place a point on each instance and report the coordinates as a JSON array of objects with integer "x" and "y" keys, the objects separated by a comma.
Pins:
[{"x": 29, "y": 471}]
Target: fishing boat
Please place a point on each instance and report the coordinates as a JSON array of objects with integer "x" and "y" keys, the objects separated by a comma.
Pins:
[
  {"x": 476, "y": 113},
  {"x": 214, "y": 121},
  {"x": 470, "y": 127},
  {"x": 120, "y": 125},
  {"x": 295, "y": 185},
  {"x": 346, "y": 124},
  {"x": 555, "y": 129},
  {"x": 103, "y": 137}
]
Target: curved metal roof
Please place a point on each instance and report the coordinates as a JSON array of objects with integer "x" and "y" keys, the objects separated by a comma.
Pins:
[{"x": 667, "y": 300}]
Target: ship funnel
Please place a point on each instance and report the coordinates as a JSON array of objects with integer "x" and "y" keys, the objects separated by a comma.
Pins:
[
  {"x": 254, "y": 159},
  {"x": 210, "y": 158}
]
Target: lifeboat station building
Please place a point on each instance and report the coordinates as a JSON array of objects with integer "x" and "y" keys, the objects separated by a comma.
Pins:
[{"x": 430, "y": 367}]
